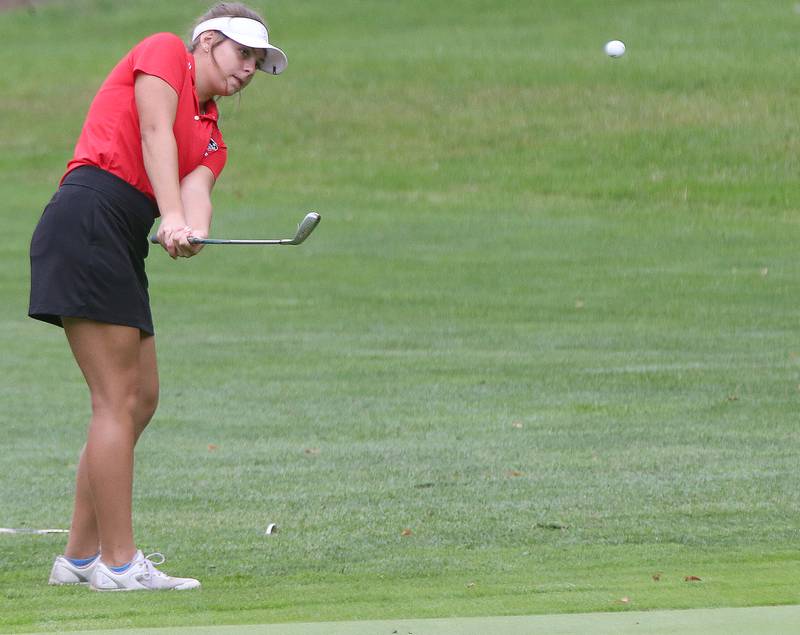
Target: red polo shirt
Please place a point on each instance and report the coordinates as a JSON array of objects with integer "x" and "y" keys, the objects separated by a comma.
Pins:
[{"x": 111, "y": 139}]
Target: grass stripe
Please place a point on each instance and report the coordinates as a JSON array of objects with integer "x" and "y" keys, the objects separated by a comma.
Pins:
[{"x": 779, "y": 620}]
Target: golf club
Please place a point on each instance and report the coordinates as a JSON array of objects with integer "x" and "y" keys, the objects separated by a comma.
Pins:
[
  {"x": 26, "y": 530},
  {"x": 304, "y": 229}
]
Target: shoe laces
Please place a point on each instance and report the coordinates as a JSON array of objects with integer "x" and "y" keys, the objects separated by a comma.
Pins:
[{"x": 150, "y": 565}]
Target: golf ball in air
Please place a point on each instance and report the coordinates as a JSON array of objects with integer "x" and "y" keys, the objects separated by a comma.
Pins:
[{"x": 615, "y": 48}]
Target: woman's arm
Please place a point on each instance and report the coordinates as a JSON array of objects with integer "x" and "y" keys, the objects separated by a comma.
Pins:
[
  {"x": 157, "y": 103},
  {"x": 196, "y": 197}
]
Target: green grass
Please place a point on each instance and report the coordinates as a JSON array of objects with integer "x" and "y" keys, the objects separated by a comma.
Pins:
[{"x": 548, "y": 322}]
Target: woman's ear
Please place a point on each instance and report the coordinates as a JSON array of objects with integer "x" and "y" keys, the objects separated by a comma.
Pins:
[{"x": 207, "y": 39}]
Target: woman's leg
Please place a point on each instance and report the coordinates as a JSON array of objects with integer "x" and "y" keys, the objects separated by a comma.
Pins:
[
  {"x": 119, "y": 365},
  {"x": 84, "y": 539},
  {"x": 147, "y": 395}
]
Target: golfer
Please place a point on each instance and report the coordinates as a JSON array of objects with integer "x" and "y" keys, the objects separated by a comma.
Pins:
[{"x": 149, "y": 147}]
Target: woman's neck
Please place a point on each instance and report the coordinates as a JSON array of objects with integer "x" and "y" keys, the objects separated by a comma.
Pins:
[{"x": 204, "y": 93}]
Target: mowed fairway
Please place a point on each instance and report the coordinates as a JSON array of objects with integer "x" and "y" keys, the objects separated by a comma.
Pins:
[{"x": 540, "y": 356}]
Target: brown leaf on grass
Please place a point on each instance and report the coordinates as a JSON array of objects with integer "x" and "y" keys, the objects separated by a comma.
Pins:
[
  {"x": 406, "y": 532},
  {"x": 424, "y": 485},
  {"x": 514, "y": 473},
  {"x": 312, "y": 451},
  {"x": 692, "y": 578},
  {"x": 212, "y": 447},
  {"x": 560, "y": 526},
  {"x": 656, "y": 577}
]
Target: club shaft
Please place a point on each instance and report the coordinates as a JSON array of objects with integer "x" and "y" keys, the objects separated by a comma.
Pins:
[{"x": 220, "y": 241}]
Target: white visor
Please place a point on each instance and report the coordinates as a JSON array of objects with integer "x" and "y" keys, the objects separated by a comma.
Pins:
[{"x": 249, "y": 33}]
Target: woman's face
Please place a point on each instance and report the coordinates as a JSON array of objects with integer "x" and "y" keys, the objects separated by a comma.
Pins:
[{"x": 235, "y": 65}]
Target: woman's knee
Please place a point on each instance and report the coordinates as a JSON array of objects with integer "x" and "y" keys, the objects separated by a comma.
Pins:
[
  {"x": 148, "y": 382},
  {"x": 115, "y": 406},
  {"x": 146, "y": 407}
]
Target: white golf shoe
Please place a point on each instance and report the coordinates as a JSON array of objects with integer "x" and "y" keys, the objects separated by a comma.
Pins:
[
  {"x": 64, "y": 572},
  {"x": 141, "y": 575}
]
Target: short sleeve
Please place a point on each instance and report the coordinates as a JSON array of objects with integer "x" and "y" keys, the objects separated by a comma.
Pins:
[
  {"x": 162, "y": 55},
  {"x": 216, "y": 154}
]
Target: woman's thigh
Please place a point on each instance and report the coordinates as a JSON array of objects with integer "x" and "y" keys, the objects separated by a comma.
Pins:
[{"x": 109, "y": 356}]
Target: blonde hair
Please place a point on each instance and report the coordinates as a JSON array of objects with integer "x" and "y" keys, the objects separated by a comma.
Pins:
[{"x": 226, "y": 10}]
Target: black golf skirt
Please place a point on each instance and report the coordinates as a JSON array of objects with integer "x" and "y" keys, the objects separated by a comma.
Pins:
[{"x": 88, "y": 252}]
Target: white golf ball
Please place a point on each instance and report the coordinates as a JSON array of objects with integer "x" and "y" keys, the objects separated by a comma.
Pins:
[{"x": 615, "y": 48}]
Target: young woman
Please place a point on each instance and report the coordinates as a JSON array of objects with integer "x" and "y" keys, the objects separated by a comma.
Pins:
[{"x": 150, "y": 146}]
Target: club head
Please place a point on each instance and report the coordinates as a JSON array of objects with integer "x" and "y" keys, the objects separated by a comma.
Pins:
[{"x": 305, "y": 228}]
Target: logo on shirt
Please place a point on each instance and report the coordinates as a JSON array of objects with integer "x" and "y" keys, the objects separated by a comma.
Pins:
[{"x": 212, "y": 146}]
